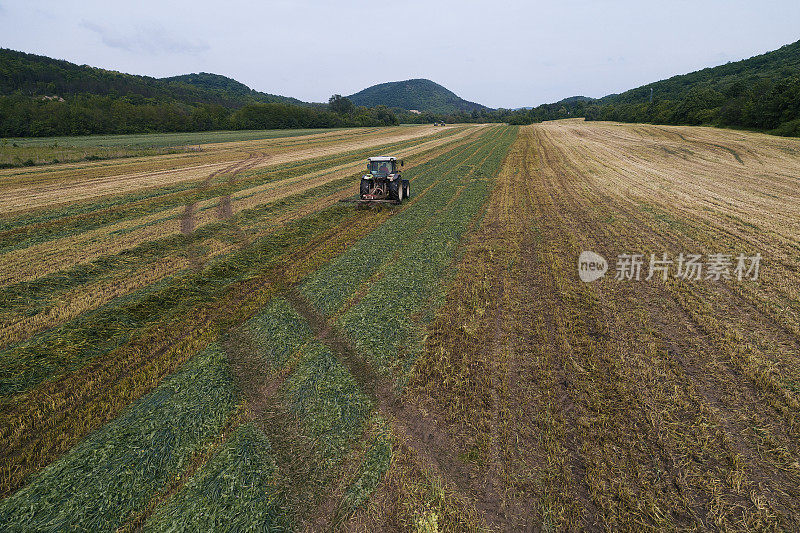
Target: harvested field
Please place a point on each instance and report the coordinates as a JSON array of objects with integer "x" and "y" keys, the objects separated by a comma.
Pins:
[
  {"x": 212, "y": 338},
  {"x": 31, "y": 189},
  {"x": 626, "y": 405}
]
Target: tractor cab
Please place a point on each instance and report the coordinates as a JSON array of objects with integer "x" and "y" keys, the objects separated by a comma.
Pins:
[{"x": 382, "y": 167}]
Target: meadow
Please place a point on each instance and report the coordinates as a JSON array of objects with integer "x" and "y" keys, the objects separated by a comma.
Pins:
[{"x": 215, "y": 340}]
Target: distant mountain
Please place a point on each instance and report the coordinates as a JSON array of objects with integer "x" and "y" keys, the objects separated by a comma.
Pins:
[
  {"x": 575, "y": 99},
  {"x": 571, "y": 101},
  {"x": 762, "y": 92},
  {"x": 212, "y": 82},
  {"x": 41, "y": 96},
  {"x": 41, "y": 76},
  {"x": 419, "y": 94},
  {"x": 224, "y": 85}
]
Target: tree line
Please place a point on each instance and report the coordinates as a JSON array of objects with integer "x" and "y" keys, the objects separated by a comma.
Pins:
[
  {"x": 772, "y": 106},
  {"x": 24, "y": 116},
  {"x": 41, "y": 96},
  {"x": 521, "y": 117}
]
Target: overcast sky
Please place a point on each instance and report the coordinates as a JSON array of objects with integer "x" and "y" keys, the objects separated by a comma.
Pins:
[{"x": 498, "y": 53}]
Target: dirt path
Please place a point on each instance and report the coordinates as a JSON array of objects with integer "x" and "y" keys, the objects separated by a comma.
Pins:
[{"x": 420, "y": 430}]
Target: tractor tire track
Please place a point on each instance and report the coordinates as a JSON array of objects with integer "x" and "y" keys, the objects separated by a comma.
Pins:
[{"x": 421, "y": 431}]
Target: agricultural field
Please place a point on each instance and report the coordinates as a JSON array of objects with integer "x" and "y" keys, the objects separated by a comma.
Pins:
[
  {"x": 217, "y": 339},
  {"x": 31, "y": 151}
]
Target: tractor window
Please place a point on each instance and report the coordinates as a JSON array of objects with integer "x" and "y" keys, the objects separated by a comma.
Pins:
[{"x": 381, "y": 168}]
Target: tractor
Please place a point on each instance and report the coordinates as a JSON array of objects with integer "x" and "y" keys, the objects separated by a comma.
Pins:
[{"x": 384, "y": 183}]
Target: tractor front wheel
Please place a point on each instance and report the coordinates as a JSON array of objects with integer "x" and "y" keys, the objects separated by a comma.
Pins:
[{"x": 406, "y": 189}]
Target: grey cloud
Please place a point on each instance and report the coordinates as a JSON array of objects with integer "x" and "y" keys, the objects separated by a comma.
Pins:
[{"x": 151, "y": 39}]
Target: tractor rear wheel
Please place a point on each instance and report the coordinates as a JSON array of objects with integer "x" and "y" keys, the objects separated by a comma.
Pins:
[
  {"x": 396, "y": 191},
  {"x": 365, "y": 186}
]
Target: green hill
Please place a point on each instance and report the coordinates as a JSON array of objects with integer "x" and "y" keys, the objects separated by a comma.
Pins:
[
  {"x": 227, "y": 87},
  {"x": 40, "y": 76},
  {"x": 212, "y": 82},
  {"x": 575, "y": 100},
  {"x": 42, "y": 97},
  {"x": 762, "y": 93},
  {"x": 418, "y": 94}
]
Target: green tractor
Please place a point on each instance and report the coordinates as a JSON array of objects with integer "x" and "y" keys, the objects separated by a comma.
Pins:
[{"x": 385, "y": 182}]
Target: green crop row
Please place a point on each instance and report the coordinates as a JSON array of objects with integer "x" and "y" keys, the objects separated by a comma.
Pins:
[
  {"x": 332, "y": 408},
  {"x": 237, "y": 490},
  {"x": 162, "y": 140},
  {"x": 274, "y": 480},
  {"x": 381, "y": 323},
  {"x": 29, "y": 156},
  {"x": 276, "y": 333},
  {"x": 324, "y": 402},
  {"x": 117, "y": 469},
  {"x": 371, "y": 471},
  {"x": 329, "y": 287}
]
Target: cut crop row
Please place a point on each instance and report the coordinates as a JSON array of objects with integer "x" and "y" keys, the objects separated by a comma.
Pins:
[{"x": 114, "y": 471}]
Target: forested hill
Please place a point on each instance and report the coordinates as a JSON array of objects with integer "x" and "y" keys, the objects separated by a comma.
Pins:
[
  {"x": 228, "y": 87},
  {"x": 34, "y": 75},
  {"x": 213, "y": 82},
  {"x": 762, "y": 93},
  {"x": 40, "y": 96},
  {"x": 419, "y": 94}
]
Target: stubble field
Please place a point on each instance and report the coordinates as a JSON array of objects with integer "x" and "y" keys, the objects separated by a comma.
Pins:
[{"x": 211, "y": 339}]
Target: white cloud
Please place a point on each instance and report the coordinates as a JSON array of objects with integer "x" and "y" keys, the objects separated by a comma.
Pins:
[{"x": 152, "y": 39}]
